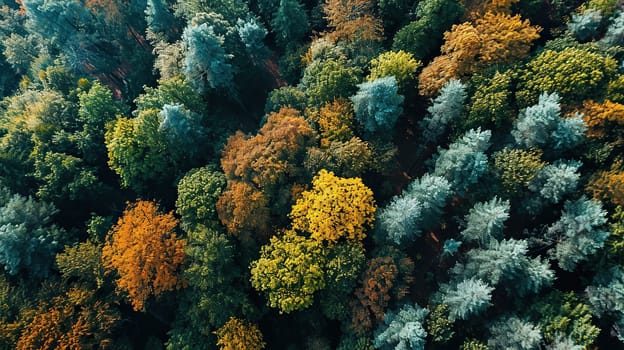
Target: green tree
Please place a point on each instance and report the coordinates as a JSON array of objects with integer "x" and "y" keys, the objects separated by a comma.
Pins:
[
  {"x": 290, "y": 22},
  {"x": 289, "y": 271},
  {"x": 400, "y": 64},
  {"x": 198, "y": 192}
]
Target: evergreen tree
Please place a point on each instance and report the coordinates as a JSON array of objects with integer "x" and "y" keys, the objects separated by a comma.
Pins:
[
  {"x": 445, "y": 109},
  {"x": 377, "y": 105},
  {"x": 468, "y": 298},
  {"x": 290, "y": 22},
  {"x": 403, "y": 330},
  {"x": 512, "y": 333},
  {"x": 484, "y": 221}
]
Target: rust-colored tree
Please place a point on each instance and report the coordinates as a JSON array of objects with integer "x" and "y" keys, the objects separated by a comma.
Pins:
[
  {"x": 352, "y": 20},
  {"x": 243, "y": 208},
  {"x": 383, "y": 279},
  {"x": 238, "y": 335},
  {"x": 145, "y": 252},
  {"x": 75, "y": 320}
]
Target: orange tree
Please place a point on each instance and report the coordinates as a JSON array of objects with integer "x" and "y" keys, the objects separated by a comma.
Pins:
[{"x": 145, "y": 251}]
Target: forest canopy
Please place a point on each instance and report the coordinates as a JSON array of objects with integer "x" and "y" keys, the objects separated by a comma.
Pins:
[{"x": 311, "y": 175}]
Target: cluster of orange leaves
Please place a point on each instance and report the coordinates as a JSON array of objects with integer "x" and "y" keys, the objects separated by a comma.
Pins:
[
  {"x": 600, "y": 116},
  {"x": 73, "y": 321},
  {"x": 335, "y": 208},
  {"x": 256, "y": 167},
  {"x": 492, "y": 38},
  {"x": 379, "y": 283},
  {"x": 143, "y": 249},
  {"x": 238, "y": 335},
  {"x": 608, "y": 185},
  {"x": 352, "y": 20}
]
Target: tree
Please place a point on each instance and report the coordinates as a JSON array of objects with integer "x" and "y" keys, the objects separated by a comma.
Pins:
[
  {"x": 464, "y": 161},
  {"x": 468, "y": 298},
  {"x": 514, "y": 333},
  {"x": 289, "y": 271},
  {"x": 615, "y": 31},
  {"x": 236, "y": 334},
  {"x": 377, "y": 105},
  {"x": 352, "y": 21},
  {"x": 327, "y": 79},
  {"x": 158, "y": 16},
  {"x": 198, "y": 193},
  {"x": 484, "y": 221},
  {"x": 243, "y": 208},
  {"x": 554, "y": 181},
  {"x": 541, "y": 126},
  {"x": 145, "y": 252},
  {"x": 343, "y": 263},
  {"x": 445, "y": 109},
  {"x": 506, "y": 262},
  {"x": 602, "y": 119},
  {"x": 82, "y": 261},
  {"x": 290, "y": 22},
  {"x": 438, "y": 326},
  {"x": 585, "y": 78},
  {"x": 28, "y": 238},
  {"x": 400, "y": 64},
  {"x": 516, "y": 168},
  {"x": 608, "y": 185},
  {"x": 334, "y": 208},
  {"x": 286, "y": 96},
  {"x": 491, "y": 103},
  {"x": 493, "y": 38},
  {"x": 403, "y": 330},
  {"x": 137, "y": 152},
  {"x": 182, "y": 130},
  {"x": 350, "y": 158},
  {"x": 335, "y": 122},
  {"x": 418, "y": 208},
  {"x": 585, "y": 25},
  {"x": 76, "y": 319},
  {"x": 605, "y": 296},
  {"x": 578, "y": 232},
  {"x": 206, "y": 64},
  {"x": 423, "y": 36},
  {"x": 252, "y": 34}
]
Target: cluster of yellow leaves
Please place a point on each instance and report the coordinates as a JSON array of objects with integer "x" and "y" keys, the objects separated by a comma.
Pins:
[
  {"x": 335, "y": 121},
  {"x": 599, "y": 116},
  {"x": 83, "y": 261},
  {"x": 239, "y": 335},
  {"x": 477, "y": 8},
  {"x": 608, "y": 185},
  {"x": 289, "y": 270},
  {"x": 352, "y": 20},
  {"x": 493, "y": 38},
  {"x": 73, "y": 321},
  {"x": 516, "y": 168},
  {"x": 335, "y": 208},
  {"x": 145, "y": 252},
  {"x": 401, "y": 65}
]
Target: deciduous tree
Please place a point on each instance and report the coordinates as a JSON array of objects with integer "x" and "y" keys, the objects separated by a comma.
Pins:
[{"x": 236, "y": 334}]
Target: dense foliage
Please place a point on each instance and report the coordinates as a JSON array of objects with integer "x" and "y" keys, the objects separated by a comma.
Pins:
[{"x": 288, "y": 174}]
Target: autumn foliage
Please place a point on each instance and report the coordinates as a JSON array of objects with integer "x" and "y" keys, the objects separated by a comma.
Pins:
[
  {"x": 352, "y": 20},
  {"x": 238, "y": 335},
  {"x": 145, "y": 252},
  {"x": 335, "y": 208},
  {"x": 608, "y": 185},
  {"x": 599, "y": 117}
]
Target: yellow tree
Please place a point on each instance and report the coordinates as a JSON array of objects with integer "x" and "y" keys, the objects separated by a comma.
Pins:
[
  {"x": 239, "y": 335},
  {"x": 335, "y": 120},
  {"x": 145, "y": 252},
  {"x": 608, "y": 185},
  {"x": 334, "y": 208},
  {"x": 352, "y": 20}
]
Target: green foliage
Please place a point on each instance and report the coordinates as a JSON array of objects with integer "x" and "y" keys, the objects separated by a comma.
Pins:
[
  {"x": 416, "y": 209},
  {"x": 423, "y": 36},
  {"x": 28, "y": 238},
  {"x": 252, "y": 34},
  {"x": 464, "y": 161},
  {"x": 564, "y": 317},
  {"x": 327, "y": 79},
  {"x": 514, "y": 333},
  {"x": 401, "y": 65},
  {"x": 289, "y": 271},
  {"x": 198, "y": 192},
  {"x": 485, "y": 220},
  {"x": 473, "y": 344},
  {"x": 578, "y": 232},
  {"x": 586, "y": 74},
  {"x": 516, "y": 168},
  {"x": 290, "y": 22},
  {"x": 491, "y": 103},
  {"x": 286, "y": 96},
  {"x": 438, "y": 325},
  {"x": 377, "y": 105},
  {"x": 403, "y": 329}
]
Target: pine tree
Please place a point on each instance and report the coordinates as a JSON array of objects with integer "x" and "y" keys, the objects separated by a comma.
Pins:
[
  {"x": 468, "y": 298},
  {"x": 445, "y": 109},
  {"x": 403, "y": 329},
  {"x": 484, "y": 221},
  {"x": 377, "y": 105}
]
